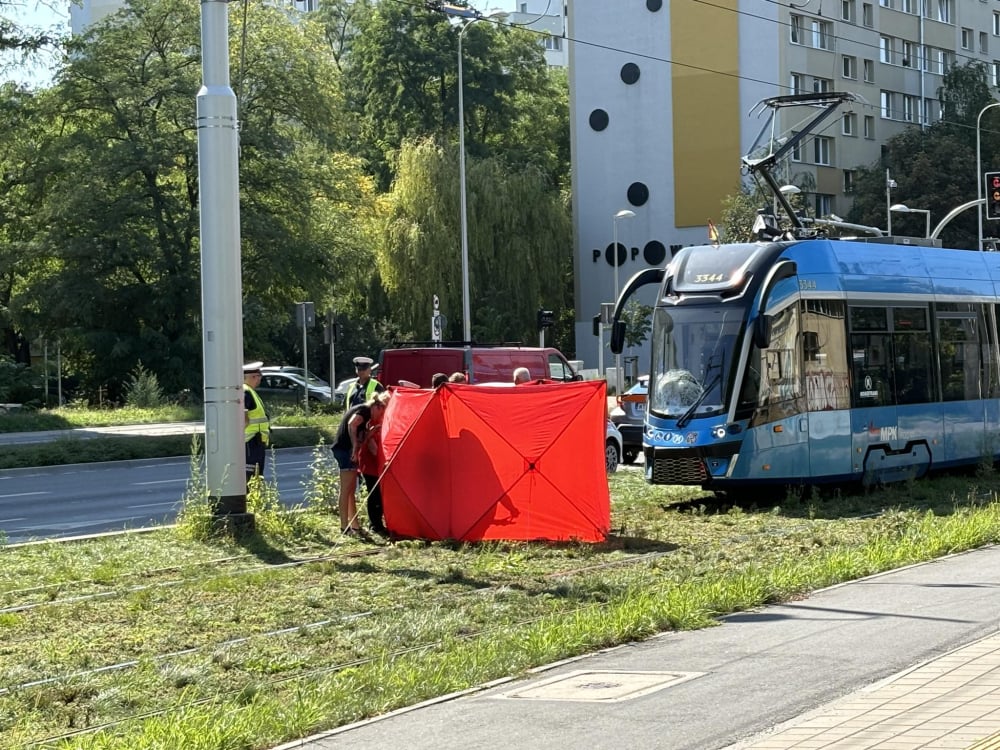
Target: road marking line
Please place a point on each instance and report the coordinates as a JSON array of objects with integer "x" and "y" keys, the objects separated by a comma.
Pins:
[
  {"x": 8, "y": 520},
  {"x": 164, "y": 504},
  {"x": 24, "y": 494},
  {"x": 161, "y": 481}
]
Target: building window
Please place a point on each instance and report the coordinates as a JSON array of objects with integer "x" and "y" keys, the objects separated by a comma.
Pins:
[
  {"x": 966, "y": 38},
  {"x": 996, "y": 73},
  {"x": 822, "y": 34},
  {"x": 885, "y": 43},
  {"x": 797, "y": 151},
  {"x": 886, "y": 105},
  {"x": 824, "y": 204},
  {"x": 869, "y": 67},
  {"x": 797, "y": 83},
  {"x": 847, "y": 11},
  {"x": 946, "y": 10},
  {"x": 996, "y": 23},
  {"x": 910, "y": 6},
  {"x": 850, "y": 124},
  {"x": 553, "y": 43},
  {"x": 867, "y": 15},
  {"x": 908, "y": 61},
  {"x": 870, "y": 127},
  {"x": 910, "y": 104},
  {"x": 795, "y": 27},
  {"x": 848, "y": 181},
  {"x": 821, "y": 150},
  {"x": 885, "y": 3},
  {"x": 984, "y": 42},
  {"x": 850, "y": 67},
  {"x": 822, "y": 85}
]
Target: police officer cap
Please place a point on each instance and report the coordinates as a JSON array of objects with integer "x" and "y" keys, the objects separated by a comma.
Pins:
[
  {"x": 363, "y": 362},
  {"x": 252, "y": 367}
]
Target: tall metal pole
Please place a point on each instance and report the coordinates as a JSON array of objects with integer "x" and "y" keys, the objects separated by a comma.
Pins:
[
  {"x": 305, "y": 361},
  {"x": 623, "y": 214},
  {"x": 979, "y": 173},
  {"x": 888, "y": 203},
  {"x": 614, "y": 245},
  {"x": 221, "y": 285},
  {"x": 466, "y": 305}
]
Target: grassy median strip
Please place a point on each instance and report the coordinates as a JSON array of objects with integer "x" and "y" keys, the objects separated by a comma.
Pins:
[{"x": 172, "y": 640}]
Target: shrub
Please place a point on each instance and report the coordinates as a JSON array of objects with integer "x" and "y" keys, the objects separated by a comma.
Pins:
[{"x": 143, "y": 389}]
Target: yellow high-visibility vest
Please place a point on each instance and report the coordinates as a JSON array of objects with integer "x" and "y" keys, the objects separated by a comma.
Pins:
[
  {"x": 259, "y": 423},
  {"x": 370, "y": 387}
]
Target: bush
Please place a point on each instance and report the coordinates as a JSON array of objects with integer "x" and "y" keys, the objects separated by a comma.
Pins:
[{"x": 143, "y": 389}]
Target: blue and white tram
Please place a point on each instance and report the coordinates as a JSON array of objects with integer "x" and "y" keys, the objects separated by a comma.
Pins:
[{"x": 820, "y": 361}]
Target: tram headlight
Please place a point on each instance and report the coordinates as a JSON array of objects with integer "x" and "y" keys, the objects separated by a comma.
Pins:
[{"x": 719, "y": 432}]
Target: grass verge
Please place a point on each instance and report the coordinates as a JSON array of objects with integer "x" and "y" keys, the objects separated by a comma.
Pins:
[{"x": 175, "y": 639}]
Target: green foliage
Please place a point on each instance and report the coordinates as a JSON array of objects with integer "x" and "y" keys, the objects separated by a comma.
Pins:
[
  {"x": 322, "y": 487},
  {"x": 934, "y": 167},
  {"x": 117, "y": 224},
  {"x": 519, "y": 240},
  {"x": 142, "y": 389},
  {"x": 739, "y": 211},
  {"x": 638, "y": 322}
]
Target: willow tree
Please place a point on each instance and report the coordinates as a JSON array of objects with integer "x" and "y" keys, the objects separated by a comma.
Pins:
[{"x": 519, "y": 244}]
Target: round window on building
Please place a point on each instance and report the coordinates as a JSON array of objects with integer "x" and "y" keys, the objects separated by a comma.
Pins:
[
  {"x": 638, "y": 194},
  {"x": 630, "y": 73},
  {"x": 598, "y": 119},
  {"x": 654, "y": 5},
  {"x": 654, "y": 253}
]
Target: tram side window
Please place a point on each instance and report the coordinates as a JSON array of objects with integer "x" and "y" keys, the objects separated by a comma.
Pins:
[
  {"x": 870, "y": 353},
  {"x": 911, "y": 340},
  {"x": 781, "y": 379},
  {"x": 961, "y": 364},
  {"x": 824, "y": 354}
]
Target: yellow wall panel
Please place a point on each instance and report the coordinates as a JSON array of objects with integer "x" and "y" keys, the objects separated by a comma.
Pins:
[{"x": 706, "y": 114}]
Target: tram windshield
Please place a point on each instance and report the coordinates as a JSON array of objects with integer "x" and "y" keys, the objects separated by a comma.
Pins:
[{"x": 694, "y": 349}]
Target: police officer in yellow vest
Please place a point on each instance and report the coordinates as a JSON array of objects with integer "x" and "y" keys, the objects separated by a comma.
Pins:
[
  {"x": 365, "y": 386},
  {"x": 256, "y": 425}
]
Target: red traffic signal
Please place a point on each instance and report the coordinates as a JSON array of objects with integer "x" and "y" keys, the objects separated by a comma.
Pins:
[{"x": 992, "y": 195}]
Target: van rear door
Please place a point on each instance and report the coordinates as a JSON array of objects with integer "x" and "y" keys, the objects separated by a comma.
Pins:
[{"x": 418, "y": 365}]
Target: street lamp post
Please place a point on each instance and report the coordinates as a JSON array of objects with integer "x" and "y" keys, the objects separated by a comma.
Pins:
[
  {"x": 466, "y": 17},
  {"x": 889, "y": 185},
  {"x": 979, "y": 173},
  {"x": 904, "y": 209},
  {"x": 466, "y": 304},
  {"x": 623, "y": 214}
]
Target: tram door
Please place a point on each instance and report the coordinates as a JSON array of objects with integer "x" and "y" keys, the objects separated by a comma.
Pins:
[{"x": 873, "y": 414}]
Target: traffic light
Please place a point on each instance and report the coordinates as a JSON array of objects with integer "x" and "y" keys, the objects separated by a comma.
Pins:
[
  {"x": 545, "y": 319},
  {"x": 992, "y": 195}
]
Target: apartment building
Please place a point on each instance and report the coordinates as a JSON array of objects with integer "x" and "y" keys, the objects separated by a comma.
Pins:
[
  {"x": 662, "y": 99},
  {"x": 547, "y": 18}
]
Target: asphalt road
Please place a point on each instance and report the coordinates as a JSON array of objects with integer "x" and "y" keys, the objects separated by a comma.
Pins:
[{"x": 82, "y": 499}]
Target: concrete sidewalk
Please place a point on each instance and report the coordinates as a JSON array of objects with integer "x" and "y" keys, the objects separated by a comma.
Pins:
[{"x": 903, "y": 660}]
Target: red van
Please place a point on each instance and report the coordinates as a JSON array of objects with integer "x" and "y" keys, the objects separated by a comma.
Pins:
[{"x": 486, "y": 364}]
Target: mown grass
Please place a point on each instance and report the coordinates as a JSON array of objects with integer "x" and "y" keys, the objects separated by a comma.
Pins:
[{"x": 175, "y": 639}]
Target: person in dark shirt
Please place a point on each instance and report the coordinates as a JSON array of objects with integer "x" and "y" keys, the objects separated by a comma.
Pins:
[{"x": 347, "y": 442}]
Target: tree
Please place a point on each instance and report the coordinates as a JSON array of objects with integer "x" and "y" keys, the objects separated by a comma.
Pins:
[
  {"x": 118, "y": 223},
  {"x": 934, "y": 167},
  {"x": 519, "y": 242},
  {"x": 402, "y": 83}
]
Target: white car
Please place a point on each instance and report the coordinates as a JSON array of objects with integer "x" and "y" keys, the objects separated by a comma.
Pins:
[{"x": 612, "y": 448}]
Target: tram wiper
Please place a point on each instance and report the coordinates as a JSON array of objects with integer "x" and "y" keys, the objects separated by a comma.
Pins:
[{"x": 686, "y": 416}]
